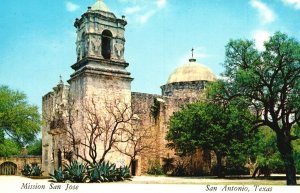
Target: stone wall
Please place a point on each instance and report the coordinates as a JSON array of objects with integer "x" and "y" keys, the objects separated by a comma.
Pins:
[
  {"x": 200, "y": 162},
  {"x": 20, "y": 162},
  {"x": 190, "y": 89},
  {"x": 53, "y": 113},
  {"x": 142, "y": 104}
]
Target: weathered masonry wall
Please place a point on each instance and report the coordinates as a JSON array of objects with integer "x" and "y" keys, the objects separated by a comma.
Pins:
[{"x": 14, "y": 165}]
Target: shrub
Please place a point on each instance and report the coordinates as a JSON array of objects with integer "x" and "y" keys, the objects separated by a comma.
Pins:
[
  {"x": 26, "y": 170},
  {"x": 123, "y": 173},
  {"x": 99, "y": 172},
  {"x": 215, "y": 170},
  {"x": 168, "y": 165},
  {"x": 107, "y": 172},
  {"x": 180, "y": 170},
  {"x": 239, "y": 170},
  {"x": 36, "y": 170},
  {"x": 59, "y": 175},
  {"x": 33, "y": 170},
  {"x": 76, "y": 172},
  {"x": 155, "y": 168}
]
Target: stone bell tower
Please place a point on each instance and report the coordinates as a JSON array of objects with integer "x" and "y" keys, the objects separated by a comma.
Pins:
[
  {"x": 100, "y": 34},
  {"x": 100, "y": 69},
  {"x": 100, "y": 77}
]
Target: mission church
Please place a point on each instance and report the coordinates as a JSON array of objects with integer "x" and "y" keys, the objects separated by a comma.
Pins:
[{"x": 97, "y": 93}]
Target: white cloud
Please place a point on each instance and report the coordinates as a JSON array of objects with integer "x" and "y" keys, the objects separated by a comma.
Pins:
[
  {"x": 161, "y": 3},
  {"x": 71, "y": 7},
  {"x": 265, "y": 12},
  {"x": 260, "y": 38},
  {"x": 132, "y": 10},
  {"x": 142, "y": 10},
  {"x": 145, "y": 17},
  {"x": 294, "y": 3}
]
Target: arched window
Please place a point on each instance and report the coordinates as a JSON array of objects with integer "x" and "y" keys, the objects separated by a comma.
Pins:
[{"x": 106, "y": 44}]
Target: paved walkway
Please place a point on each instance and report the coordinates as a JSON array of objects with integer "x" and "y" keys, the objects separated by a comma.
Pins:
[
  {"x": 147, "y": 184},
  {"x": 279, "y": 180}
]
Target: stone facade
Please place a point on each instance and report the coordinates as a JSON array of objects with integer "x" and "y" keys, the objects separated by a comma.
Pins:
[
  {"x": 100, "y": 78},
  {"x": 174, "y": 97}
]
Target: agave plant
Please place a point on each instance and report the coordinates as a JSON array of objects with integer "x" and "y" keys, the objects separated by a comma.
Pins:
[
  {"x": 107, "y": 172},
  {"x": 36, "y": 170},
  {"x": 76, "y": 172},
  {"x": 59, "y": 175},
  {"x": 26, "y": 170},
  {"x": 123, "y": 173},
  {"x": 98, "y": 172},
  {"x": 94, "y": 175}
]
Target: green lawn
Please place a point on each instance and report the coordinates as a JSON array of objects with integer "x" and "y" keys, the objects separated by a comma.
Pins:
[{"x": 275, "y": 180}]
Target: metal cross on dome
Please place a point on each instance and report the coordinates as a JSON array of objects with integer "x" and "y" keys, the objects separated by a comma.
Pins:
[{"x": 192, "y": 52}]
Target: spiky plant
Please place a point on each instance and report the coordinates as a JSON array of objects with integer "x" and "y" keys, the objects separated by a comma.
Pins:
[{"x": 59, "y": 175}]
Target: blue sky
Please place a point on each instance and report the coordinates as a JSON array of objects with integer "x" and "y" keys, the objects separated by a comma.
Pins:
[{"x": 38, "y": 36}]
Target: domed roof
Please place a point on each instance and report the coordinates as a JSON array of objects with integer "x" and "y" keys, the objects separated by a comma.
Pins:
[
  {"x": 191, "y": 71},
  {"x": 100, "y": 6}
]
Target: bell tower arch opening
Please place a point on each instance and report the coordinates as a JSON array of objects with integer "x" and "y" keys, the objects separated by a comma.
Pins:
[{"x": 106, "y": 44}]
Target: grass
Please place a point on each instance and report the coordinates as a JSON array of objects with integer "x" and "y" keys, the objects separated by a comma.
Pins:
[{"x": 272, "y": 181}]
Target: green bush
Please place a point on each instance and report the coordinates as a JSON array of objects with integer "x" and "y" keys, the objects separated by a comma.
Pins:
[
  {"x": 215, "y": 170},
  {"x": 123, "y": 173},
  {"x": 107, "y": 172},
  {"x": 76, "y": 172},
  {"x": 155, "y": 168},
  {"x": 26, "y": 171},
  {"x": 99, "y": 172},
  {"x": 237, "y": 171},
  {"x": 59, "y": 175},
  {"x": 33, "y": 170},
  {"x": 36, "y": 170}
]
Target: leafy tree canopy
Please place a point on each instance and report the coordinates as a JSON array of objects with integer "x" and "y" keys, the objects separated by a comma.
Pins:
[
  {"x": 223, "y": 129},
  {"x": 269, "y": 81},
  {"x": 9, "y": 148},
  {"x": 18, "y": 120},
  {"x": 266, "y": 151},
  {"x": 35, "y": 148}
]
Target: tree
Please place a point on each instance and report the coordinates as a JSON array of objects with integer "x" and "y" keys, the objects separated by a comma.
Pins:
[
  {"x": 265, "y": 152},
  {"x": 9, "y": 148},
  {"x": 222, "y": 129},
  {"x": 105, "y": 129},
  {"x": 269, "y": 81},
  {"x": 35, "y": 148},
  {"x": 18, "y": 120},
  {"x": 296, "y": 146},
  {"x": 138, "y": 140}
]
